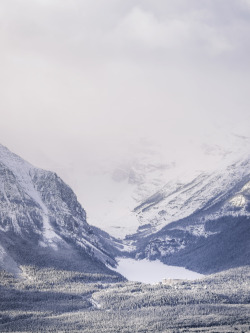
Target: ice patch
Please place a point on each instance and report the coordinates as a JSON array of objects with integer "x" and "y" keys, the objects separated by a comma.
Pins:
[
  {"x": 153, "y": 271},
  {"x": 196, "y": 230},
  {"x": 2, "y": 253},
  {"x": 94, "y": 303},
  {"x": 246, "y": 187},
  {"x": 238, "y": 201}
]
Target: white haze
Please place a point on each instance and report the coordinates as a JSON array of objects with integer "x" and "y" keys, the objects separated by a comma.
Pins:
[{"x": 84, "y": 81}]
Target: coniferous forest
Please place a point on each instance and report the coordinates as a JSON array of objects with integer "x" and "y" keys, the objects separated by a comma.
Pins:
[{"x": 49, "y": 300}]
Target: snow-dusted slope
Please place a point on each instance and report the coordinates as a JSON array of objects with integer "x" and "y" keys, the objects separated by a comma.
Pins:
[
  {"x": 40, "y": 215},
  {"x": 203, "y": 225},
  {"x": 171, "y": 209},
  {"x": 177, "y": 200},
  {"x": 117, "y": 190}
]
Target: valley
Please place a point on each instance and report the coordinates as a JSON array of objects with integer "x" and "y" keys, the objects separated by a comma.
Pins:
[{"x": 184, "y": 269}]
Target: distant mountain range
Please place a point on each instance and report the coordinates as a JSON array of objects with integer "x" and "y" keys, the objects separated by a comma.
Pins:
[{"x": 201, "y": 222}]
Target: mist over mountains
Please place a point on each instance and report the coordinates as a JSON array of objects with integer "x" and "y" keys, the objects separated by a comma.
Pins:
[
  {"x": 55, "y": 268},
  {"x": 132, "y": 213},
  {"x": 151, "y": 209},
  {"x": 118, "y": 182}
]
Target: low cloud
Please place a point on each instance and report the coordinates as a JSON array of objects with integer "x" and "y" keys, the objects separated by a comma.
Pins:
[
  {"x": 100, "y": 74},
  {"x": 174, "y": 34}
]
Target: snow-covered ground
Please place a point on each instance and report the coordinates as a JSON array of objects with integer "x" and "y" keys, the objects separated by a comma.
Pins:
[{"x": 153, "y": 271}]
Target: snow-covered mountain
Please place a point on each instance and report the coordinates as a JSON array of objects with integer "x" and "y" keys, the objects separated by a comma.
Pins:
[
  {"x": 192, "y": 213},
  {"x": 118, "y": 189},
  {"x": 203, "y": 225},
  {"x": 41, "y": 221},
  {"x": 178, "y": 200},
  {"x": 168, "y": 209}
]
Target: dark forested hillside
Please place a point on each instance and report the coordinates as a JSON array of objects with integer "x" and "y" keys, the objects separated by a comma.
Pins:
[
  {"x": 64, "y": 301},
  {"x": 227, "y": 245}
]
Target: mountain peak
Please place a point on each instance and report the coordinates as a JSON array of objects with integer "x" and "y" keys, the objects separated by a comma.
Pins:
[{"x": 41, "y": 213}]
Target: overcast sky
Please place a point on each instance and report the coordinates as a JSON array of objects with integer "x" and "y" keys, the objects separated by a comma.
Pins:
[{"x": 78, "y": 74}]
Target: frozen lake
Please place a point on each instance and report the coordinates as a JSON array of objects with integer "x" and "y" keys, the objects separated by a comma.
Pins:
[{"x": 152, "y": 271}]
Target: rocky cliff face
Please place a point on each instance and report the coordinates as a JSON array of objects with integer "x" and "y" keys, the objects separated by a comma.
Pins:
[
  {"x": 178, "y": 200},
  {"x": 41, "y": 221}
]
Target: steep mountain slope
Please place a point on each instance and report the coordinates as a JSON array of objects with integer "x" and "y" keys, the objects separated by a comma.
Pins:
[
  {"x": 42, "y": 223},
  {"x": 177, "y": 200},
  {"x": 203, "y": 225}
]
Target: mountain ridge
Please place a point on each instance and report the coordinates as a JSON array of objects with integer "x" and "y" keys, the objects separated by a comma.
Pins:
[
  {"x": 209, "y": 238},
  {"x": 41, "y": 220},
  {"x": 183, "y": 223}
]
